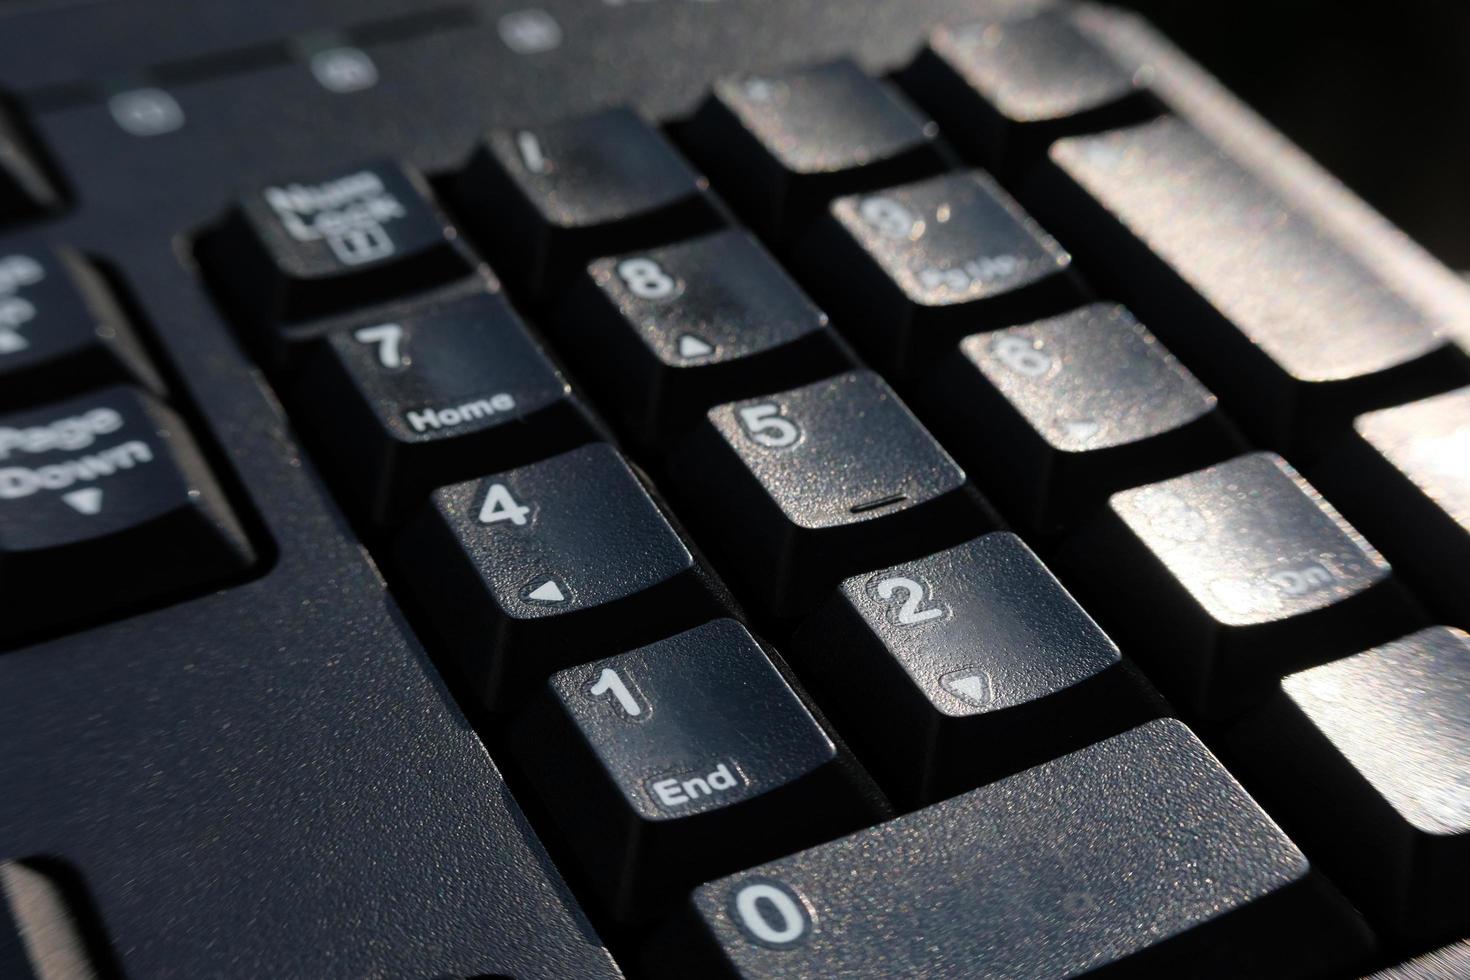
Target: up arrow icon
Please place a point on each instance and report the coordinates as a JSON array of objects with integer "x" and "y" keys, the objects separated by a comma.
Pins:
[{"x": 87, "y": 501}]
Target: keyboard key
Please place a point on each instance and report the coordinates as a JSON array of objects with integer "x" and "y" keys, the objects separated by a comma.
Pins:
[
  {"x": 300, "y": 250},
  {"x": 1403, "y": 476},
  {"x": 960, "y": 668},
  {"x": 805, "y": 487},
  {"x": 1288, "y": 328},
  {"x": 669, "y": 332},
  {"x": 1139, "y": 856},
  {"x": 1228, "y": 578},
  {"x": 683, "y": 760},
  {"x": 1004, "y": 90},
  {"x": 1383, "y": 736},
  {"x": 548, "y": 565},
  {"x": 780, "y": 146},
  {"x": 105, "y": 502},
  {"x": 907, "y": 271},
  {"x": 1444, "y": 964},
  {"x": 61, "y": 331},
  {"x": 545, "y": 200},
  {"x": 434, "y": 395},
  {"x": 1059, "y": 413},
  {"x": 42, "y": 936},
  {"x": 25, "y": 190}
]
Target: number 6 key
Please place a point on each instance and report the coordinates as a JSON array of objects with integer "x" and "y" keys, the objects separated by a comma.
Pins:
[{"x": 803, "y": 488}]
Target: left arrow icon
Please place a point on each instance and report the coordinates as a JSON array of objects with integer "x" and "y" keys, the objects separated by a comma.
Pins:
[{"x": 88, "y": 501}]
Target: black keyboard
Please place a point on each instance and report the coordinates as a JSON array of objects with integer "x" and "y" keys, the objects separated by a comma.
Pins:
[{"x": 762, "y": 488}]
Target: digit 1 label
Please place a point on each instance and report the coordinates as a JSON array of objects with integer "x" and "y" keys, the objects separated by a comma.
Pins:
[{"x": 610, "y": 682}]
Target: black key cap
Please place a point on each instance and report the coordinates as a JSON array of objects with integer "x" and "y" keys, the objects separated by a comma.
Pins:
[
  {"x": 1140, "y": 856},
  {"x": 1403, "y": 476},
  {"x": 299, "y": 250},
  {"x": 907, "y": 271},
  {"x": 545, "y": 200},
  {"x": 42, "y": 934},
  {"x": 975, "y": 646},
  {"x": 549, "y": 565},
  {"x": 61, "y": 331},
  {"x": 1231, "y": 577},
  {"x": 781, "y": 146},
  {"x": 435, "y": 394},
  {"x": 805, "y": 487},
  {"x": 1055, "y": 415},
  {"x": 1450, "y": 963},
  {"x": 105, "y": 502},
  {"x": 1003, "y": 90},
  {"x": 669, "y": 332},
  {"x": 1383, "y": 736},
  {"x": 1286, "y": 326},
  {"x": 25, "y": 189},
  {"x": 684, "y": 760}
]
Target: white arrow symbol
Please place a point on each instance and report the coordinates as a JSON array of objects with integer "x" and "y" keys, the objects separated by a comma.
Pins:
[
  {"x": 1082, "y": 430},
  {"x": 548, "y": 591},
  {"x": 87, "y": 501},
  {"x": 691, "y": 347}
]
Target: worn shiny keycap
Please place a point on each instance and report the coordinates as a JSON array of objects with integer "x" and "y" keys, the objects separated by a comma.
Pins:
[
  {"x": 802, "y": 488},
  {"x": 1403, "y": 476},
  {"x": 781, "y": 146},
  {"x": 962, "y": 667},
  {"x": 684, "y": 760},
  {"x": 1003, "y": 89},
  {"x": 1383, "y": 736},
  {"x": 1228, "y": 578},
  {"x": 1140, "y": 856},
  {"x": 907, "y": 271},
  {"x": 1289, "y": 328},
  {"x": 1052, "y": 416}
]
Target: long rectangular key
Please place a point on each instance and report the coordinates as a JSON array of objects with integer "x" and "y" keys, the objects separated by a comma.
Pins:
[
  {"x": 924, "y": 663},
  {"x": 1403, "y": 476},
  {"x": 1289, "y": 328},
  {"x": 1383, "y": 736},
  {"x": 683, "y": 760},
  {"x": 1226, "y": 579},
  {"x": 1139, "y": 855}
]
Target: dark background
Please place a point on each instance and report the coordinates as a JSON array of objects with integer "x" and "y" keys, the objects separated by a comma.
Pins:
[{"x": 1378, "y": 92}]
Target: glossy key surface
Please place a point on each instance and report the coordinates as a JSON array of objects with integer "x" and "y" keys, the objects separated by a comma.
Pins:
[
  {"x": 1005, "y": 88},
  {"x": 106, "y": 502},
  {"x": 1403, "y": 475},
  {"x": 1051, "y": 416},
  {"x": 434, "y": 394},
  {"x": 1383, "y": 736},
  {"x": 547, "y": 198},
  {"x": 550, "y": 564},
  {"x": 781, "y": 145},
  {"x": 907, "y": 271},
  {"x": 664, "y": 334},
  {"x": 683, "y": 760},
  {"x": 967, "y": 665},
  {"x": 1043, "y": 875},
  {"x": 1225, "y": 579},
  {"x": 801, "y": 488},
  {"x": 1286, "y": 325}
]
